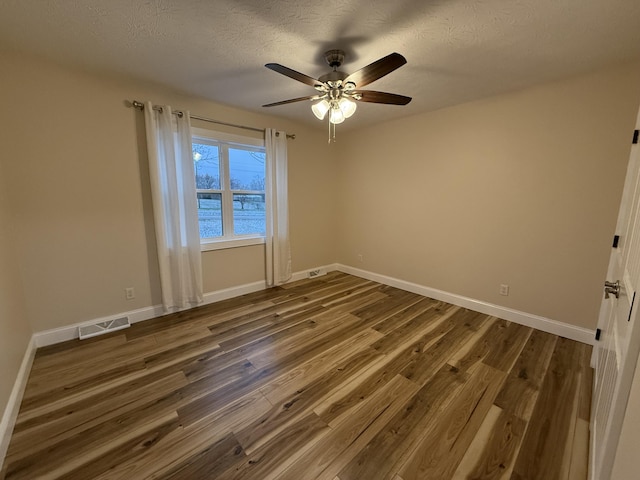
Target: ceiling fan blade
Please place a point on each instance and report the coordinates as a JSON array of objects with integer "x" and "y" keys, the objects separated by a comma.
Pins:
[
  {"x": 300, "y": 99},
  {"x": 301, "y": 77},
  {"x": 376, "y": 70},
  {"x": 382, "y": 97}
]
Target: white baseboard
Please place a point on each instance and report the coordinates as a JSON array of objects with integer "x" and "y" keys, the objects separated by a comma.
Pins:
[
  {"x": 548, "y": 325},
  {"x": 231, "y": 292},
  {"x": 70, "y": 332},
  {"x": 13, "y": 405}
]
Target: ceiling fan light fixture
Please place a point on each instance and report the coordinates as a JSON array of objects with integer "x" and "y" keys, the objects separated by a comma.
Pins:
[
  {"x": 320, "y": 109},
  {"x": 335, "y": 115},
  {"x": 347, "y": 106}
]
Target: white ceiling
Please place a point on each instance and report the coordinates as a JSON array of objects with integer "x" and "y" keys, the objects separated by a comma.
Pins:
[{"x": 457, "y": 50}]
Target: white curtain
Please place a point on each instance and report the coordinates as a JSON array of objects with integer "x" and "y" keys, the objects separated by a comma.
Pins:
[
  {"x": 175, "y": 211},
  {"x": 277, "y": 241}
]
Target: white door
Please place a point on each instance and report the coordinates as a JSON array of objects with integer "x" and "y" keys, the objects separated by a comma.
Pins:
[{"x": 616, "y": 351}]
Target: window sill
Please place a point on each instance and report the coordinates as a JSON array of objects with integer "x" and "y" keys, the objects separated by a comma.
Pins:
[{"x": 236, "y": 242}]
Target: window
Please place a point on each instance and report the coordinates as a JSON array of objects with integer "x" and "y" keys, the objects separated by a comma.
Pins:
[{"x": 230, "y": 179}]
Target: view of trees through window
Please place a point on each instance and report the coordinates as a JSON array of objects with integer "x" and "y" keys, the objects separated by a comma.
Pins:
[{"x": 230, "y": 182}]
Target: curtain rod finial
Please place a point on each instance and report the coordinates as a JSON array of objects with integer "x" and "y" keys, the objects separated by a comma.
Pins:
[{"x": 137, "y": 104}]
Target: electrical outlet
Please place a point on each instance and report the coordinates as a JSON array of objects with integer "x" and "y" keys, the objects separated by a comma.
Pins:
[
  {"x": 360, "y": 258},
  {"x": 504, "y": 289},
  {"x": 130, "y": 293}
]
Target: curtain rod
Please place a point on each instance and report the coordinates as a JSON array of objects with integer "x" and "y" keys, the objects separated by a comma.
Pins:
[{"x": 140, "y": 106}]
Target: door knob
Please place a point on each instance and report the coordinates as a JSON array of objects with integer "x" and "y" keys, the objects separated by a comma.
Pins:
[{"x": 612, "y": 288}]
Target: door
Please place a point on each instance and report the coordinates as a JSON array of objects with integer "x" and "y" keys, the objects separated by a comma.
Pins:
[{"x": 616, "y": 351}]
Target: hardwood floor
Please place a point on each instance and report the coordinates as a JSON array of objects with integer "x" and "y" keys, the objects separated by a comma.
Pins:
[{"x": 336, "y": 378}]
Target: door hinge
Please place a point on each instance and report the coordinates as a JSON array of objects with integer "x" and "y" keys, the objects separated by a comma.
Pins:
[
  {"x": 616, "y": 239},
  {"x": 598, "y": 332},
  {"x": 633, "y": 300},
  {"x": 635, "y": 136}
]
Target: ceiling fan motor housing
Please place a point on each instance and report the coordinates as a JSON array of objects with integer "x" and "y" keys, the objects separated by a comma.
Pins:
[{"x": 334, "y": 58}]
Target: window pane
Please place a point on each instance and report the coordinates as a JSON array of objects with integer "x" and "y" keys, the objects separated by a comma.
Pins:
[
  {"x": 248, "y": 214},
  {"x": 210, "y": 214},
  {"x": 246, "y": 169},
  {"x": 206, "y": 163}
]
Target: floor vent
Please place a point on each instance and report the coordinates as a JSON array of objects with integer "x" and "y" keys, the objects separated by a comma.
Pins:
[
  {"x": 316, "y": 273},
  {"x": 88, "y": 331}
]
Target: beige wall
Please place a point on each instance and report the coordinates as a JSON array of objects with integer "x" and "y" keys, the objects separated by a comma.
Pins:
[
  {"x": 74, "y": 155},
  {"x": 521, "y": 189},
  {"x": 14, "y": 327}
]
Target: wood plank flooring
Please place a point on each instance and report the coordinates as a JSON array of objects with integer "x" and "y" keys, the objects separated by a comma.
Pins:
[{"x": 335, "y": 378}]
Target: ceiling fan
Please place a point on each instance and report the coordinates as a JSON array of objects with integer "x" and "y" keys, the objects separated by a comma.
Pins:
[{"x": 338, "y": 90}]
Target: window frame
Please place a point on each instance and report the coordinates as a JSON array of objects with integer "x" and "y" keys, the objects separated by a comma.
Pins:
[{"x": 224, "y": 141}]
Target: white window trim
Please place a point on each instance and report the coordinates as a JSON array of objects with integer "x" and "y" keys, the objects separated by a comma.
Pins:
[
  {"x": 214, "y": 244},
  {"x": 209, "y": 244}
]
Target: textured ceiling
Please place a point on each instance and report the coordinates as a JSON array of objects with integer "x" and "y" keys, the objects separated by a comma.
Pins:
[{"x": 457, "y": 50}]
